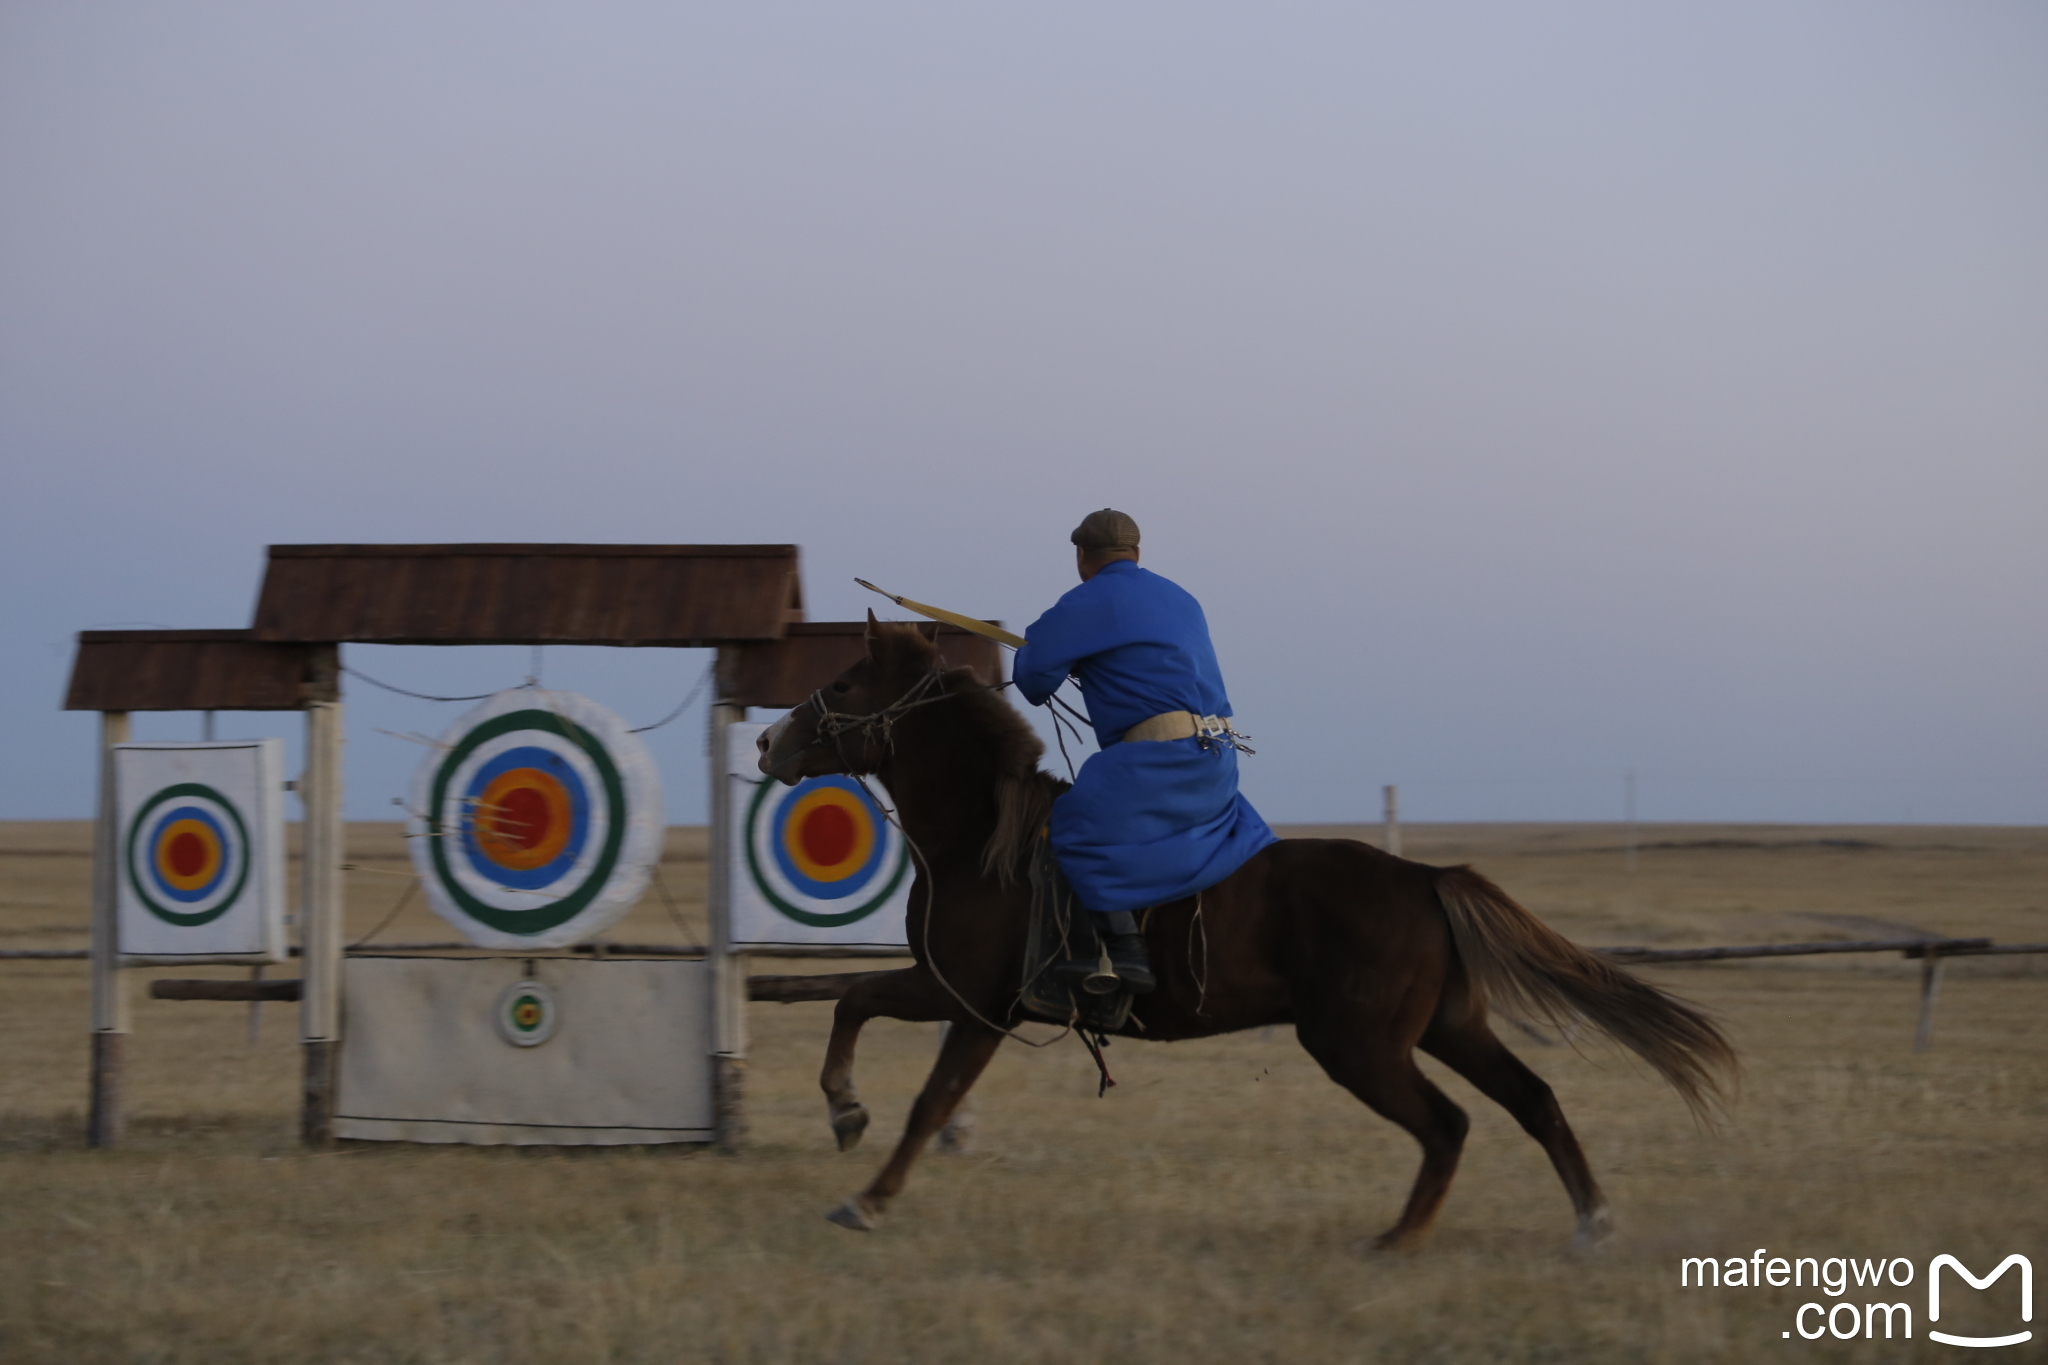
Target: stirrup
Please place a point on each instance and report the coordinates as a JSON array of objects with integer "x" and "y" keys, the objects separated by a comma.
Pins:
[{"x": 1102, "y": 979}]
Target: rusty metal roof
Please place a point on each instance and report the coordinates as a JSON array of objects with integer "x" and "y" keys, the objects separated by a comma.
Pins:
[
  {"x": 196, "y": 670},
  {"x": 678, "y": 595},
  {"x": 783, "y": 672}
]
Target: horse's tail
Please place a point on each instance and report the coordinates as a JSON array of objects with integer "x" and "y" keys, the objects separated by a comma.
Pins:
[{"x": 1518, "y": 960}]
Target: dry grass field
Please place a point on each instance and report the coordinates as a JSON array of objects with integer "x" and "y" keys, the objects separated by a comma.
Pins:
[{"x": 1204, "y": 1211}]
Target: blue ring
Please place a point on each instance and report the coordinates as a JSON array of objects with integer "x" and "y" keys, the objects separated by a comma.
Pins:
[
  {"x": 227, "y": 854},
  {"x": 547, "y": 874},
  {"x": 779, "y": 835}
]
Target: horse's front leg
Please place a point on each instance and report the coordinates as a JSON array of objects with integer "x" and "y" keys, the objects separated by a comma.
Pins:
[
  {"x": 909, "y": 994},
  {"x": 966, "y": 1051}
]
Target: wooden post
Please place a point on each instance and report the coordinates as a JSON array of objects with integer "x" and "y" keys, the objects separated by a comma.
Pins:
[
  {"x": 255, "y": 1009},
  {"x": 321, "y": 912},
  {"x": 1390, "y": 817},
  {"x": 728, "y": 969},
  {"x": 107, "y": 1116},
  {"x": 1628, "y": 804},
  {"x": 1930, "y": 991}
]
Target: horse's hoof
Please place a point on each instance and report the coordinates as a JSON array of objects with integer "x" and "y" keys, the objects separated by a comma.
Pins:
[
  {"x": 1393, "y": 1242},
  {"x": 853, "y": 1214},
  {"x": 1595, "y": 1228},
  {"x": 848, "y": 1124},
  {"x": 957, "y": 1137}
]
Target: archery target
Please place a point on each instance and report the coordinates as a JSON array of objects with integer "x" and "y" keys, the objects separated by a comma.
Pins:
[
  {"x": 200, "y": 849},
  {"x": 538, "y": 820},
  {"x": 527, "y": 1014},
  {"x": 814, "y": 864}
]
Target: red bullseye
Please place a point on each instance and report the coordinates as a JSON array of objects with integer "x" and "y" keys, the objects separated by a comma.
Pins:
[
  {"x": 186, "y": 855},
  {"x": 828, "y": 835},
  {"x": 523, "y": 817}
]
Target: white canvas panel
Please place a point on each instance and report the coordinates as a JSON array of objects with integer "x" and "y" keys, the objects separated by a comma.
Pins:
[
  {"x": 200, "y": 849},
  {"x": 519, "y": 1051},
  {"x": 815, "y": 865}
]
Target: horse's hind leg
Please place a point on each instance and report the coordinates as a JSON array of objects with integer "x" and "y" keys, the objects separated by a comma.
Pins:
[
  {"x": 1470, "y": 1049},
  {"x": 908, "y": 994},
  {"x": 1381, "y": 1071},
  {"x": 965, "y": 1052}
]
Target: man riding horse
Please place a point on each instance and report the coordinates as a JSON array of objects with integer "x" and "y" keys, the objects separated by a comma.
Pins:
[
  {"x": 1156, "y": 815},
  {"x": 1366, "y": 956}
]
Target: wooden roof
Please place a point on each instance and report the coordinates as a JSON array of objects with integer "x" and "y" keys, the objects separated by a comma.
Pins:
[
  {"x": 784, "y": 672},
  {"x": 680, "y": 595},
  {"x": 196, "y": 670}
]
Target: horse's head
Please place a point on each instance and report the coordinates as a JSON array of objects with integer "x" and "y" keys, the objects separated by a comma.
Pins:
[{"x": 844, "y": 727}]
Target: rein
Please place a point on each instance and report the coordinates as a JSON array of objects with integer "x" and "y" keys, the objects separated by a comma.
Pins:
[{"x": 832, "y": 727}]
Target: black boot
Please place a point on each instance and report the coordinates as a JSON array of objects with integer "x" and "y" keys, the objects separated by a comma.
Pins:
[{"x": 1124, "y": 960}]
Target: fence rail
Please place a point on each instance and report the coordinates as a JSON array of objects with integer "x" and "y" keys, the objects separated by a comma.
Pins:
[{"x": 1931, "y": 952}]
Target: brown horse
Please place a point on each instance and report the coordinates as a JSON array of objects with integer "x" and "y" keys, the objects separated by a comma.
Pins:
[{"x": 1366, "y": 954}]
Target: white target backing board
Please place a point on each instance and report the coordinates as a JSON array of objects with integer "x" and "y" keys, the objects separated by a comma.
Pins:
[
  {"x": 537, "y": 820},
  {"x": 200, "y": 849},
  {"x": 545, "y": 1051},
  {"x": 814, "y": 865}
]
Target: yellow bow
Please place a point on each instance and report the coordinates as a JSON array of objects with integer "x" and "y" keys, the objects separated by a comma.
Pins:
[{"x": 951, "y": 618}]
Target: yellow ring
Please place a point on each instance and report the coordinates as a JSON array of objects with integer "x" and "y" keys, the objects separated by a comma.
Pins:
[
  {"x": 499, "y": 845},
  {"x": 168, "y": 835},
  {"x": 863, "y": 834}
]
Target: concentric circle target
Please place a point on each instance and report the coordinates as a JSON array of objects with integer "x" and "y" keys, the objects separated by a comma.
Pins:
[
  {"x": 542, "y": 820},
  {"x": 187, "y": 854},
  {"x": 822, "y": 852},
  {"x": 527, "y": 1014}
]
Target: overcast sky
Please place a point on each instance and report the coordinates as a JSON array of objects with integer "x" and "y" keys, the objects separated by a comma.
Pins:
[{"x": 1531, "y": 393}]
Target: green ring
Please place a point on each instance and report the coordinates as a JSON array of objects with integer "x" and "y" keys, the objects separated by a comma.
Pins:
[
  {"x": 810, "y": 917},
  {"x": 559, "y": 912},
  {"x": 165, "y": 913}
]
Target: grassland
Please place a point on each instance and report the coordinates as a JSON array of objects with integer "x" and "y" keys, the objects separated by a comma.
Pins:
[{"x": 1204, "y": 1211}]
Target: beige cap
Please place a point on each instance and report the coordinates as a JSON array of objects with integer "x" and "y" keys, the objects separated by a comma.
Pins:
[{"x": 1108, "y": 529}]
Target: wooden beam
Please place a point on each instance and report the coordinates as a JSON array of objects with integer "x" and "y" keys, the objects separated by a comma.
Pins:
[
  {"x": 1911, "y": 947},
  {"x": 788, "y": 990},
  {"x": 188, "y": 988}
]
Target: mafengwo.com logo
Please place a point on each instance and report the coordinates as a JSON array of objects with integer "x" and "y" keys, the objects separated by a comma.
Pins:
[{"x": 1866, "y": 1297}]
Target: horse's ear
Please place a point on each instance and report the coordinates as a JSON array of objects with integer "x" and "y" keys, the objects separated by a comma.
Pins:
[{"x": 870, "y": 633}]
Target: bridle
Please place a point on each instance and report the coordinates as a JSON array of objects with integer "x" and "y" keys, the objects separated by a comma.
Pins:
[{"x": 832, "y": 727}]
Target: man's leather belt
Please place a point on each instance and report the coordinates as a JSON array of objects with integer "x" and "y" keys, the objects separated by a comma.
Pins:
[{"x": 1178, "y": 725}]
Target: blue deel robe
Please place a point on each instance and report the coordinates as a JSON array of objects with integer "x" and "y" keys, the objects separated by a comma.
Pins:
[{"x": 1154, "y": 820}]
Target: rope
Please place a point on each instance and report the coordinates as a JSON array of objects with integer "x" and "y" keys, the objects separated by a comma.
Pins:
[
  {"x": 385, "y": 923},
  {"x": 684, "y": 705},
  {"x": 1095, "y": 1046},
  {"x": 1201, "y": 980},
  {"x": 405, "y": 692},
  {"x": 668, "y": 902}
]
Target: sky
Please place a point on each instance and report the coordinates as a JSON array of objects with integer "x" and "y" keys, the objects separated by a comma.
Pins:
[{"x": 1533, "y": 395}]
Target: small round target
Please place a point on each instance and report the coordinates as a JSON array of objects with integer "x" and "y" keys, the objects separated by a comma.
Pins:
[
  {"x": 527, "y": 1015},
  {"x": 187, "y": 854}
]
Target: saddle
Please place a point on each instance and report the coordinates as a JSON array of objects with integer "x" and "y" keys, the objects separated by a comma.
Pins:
[{"x": 1058, "y": 933}]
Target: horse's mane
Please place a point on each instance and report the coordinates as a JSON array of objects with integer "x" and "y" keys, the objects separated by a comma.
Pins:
[{"x": 1024, "y": 794}]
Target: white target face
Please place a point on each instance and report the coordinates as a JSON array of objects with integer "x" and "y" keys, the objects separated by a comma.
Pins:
[
  {"x": 542, "y": 820},
  {"x": 200, "y": 849},
  {"x": 819, "y": 864}
]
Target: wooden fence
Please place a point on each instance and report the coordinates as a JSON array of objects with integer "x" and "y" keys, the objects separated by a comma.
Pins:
[{"x": 1932, "y": 953}]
